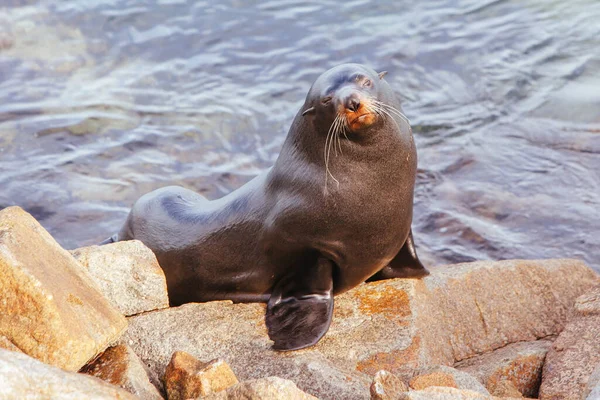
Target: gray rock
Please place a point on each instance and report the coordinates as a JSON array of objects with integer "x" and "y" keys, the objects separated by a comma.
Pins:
[
  {"x": 128, "y": 275},
  {"x": 272, "y": 388}
]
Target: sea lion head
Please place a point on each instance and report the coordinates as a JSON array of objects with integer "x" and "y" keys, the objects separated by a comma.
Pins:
[{"x": 349, "y": 97}]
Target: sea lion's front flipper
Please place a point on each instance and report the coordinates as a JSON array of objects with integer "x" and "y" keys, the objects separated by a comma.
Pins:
[
  {"x": 406, "y": 264},
  {"x": 301, "y": 306}
]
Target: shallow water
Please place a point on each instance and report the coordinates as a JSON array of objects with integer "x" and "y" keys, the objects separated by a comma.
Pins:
[{"x": 103, "y": 101}]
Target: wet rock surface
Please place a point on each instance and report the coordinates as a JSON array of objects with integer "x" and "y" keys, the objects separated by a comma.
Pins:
[
  {"x": 128, "y": 275},
  {"x": 49, "y": 307}
]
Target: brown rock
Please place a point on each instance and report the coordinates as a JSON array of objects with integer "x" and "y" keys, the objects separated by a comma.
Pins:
[
  {"x": 387, "y": 386},
  {"x": 8, "y": 345},
  {"x": 272, "y": 388},
  {"x": 575, "y": 353},
  {"x": 187, "y": 377},
  {"x": 504, "y": 389},
  {"x": 22, "y": 377},
  {"x": 399, "y": 325},
  {"x": 120, "y": 366},
  {"x": 447, "y": 377},
  {"x": 49, "y": 307},
  {"x": 128, "y": 275},
  {"x": 518, "y": 363}
]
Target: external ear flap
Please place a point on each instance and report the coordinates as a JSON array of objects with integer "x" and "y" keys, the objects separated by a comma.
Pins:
[
  {"x": 382, "y": 74},
  {"x": 308, "y": 111}
]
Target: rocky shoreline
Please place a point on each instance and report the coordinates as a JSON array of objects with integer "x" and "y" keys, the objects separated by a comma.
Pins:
[{"x": 95, "y": 323}]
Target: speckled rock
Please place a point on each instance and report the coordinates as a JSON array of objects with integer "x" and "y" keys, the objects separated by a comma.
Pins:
[
  {"x": 120, "y": 366},
  {"x": 399, "y": 325},
  {"x": 504, "y": 389},
  {"x": 187, "y": 377},
  {"x": 575, "y": 353},
  {"x": 128, "y": 275},
  {"x": 448, "y": 377},
  {"x": 387, "y": 386},
  {"x": 22, "y": 377},
  {"x": 271, "y": 388},
  {"x": 7, "y": 344},
  {"x": 444, "y": 393},
  {"x": 592, "y": 390},
  {"x": 519, "y": 363},
  {"x": 49, "y": 307}
]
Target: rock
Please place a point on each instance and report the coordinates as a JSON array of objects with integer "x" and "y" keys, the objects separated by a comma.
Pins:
[
  {"x": 22, "y": 377},
  {"x": 120, "y": 366},
  {"x": 518, "y": 363},
  {"x": 399, "y": 325},
  {"x": 592, "y": 390},
  {"x": 187, "y": 377},
  {"x": 444, "y": 393},
  {"x": 448, "y": 377},
  {"x": 387, "y": 386},
  {"x": 8, "y": 345},
  {"x": 49, "y": 307},
  {"x": 272, "y": 388},
  {"x": 128, "y": 275},
  {"x": 504, "y": 389},
  {"x": 236, "y": 333},
  {"x": 575, "y": 353}
]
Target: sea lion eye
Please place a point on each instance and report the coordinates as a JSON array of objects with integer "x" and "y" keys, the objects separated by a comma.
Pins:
[
  {"x": 326, "y": 100},
  {"x": 367, "y": 83}
]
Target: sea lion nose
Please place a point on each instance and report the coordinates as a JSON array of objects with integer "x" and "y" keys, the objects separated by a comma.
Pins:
[{"x": 353, "y": 103}]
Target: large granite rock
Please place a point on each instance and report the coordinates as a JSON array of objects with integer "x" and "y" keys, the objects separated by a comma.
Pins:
[
  {"x": 575, "y": 353},
  {"x": 120, "y": 366},
  {"x": 49, "y": 307},
  {"x": 272, "y": 388},
  {"x": 22, "y": 377},
  {"x": 519, "y": 363},
  {"x": 128, "y": 275},
  {"x": 458, "y": 312}
]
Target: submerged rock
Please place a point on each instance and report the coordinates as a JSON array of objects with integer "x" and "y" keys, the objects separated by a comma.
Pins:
[
  {"x": 458, "y": 312},
  {"x": 128, "y": 275},
  {"x": 575, "y": 353},
  {"x": 22, "y": 377},
  {"x": 187, "y": 377},
  {"x": 120, "y": 366},
  {"x": 49, "y": 307}
]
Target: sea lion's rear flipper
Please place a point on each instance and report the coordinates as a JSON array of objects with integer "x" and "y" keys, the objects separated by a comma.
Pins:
[
  {"x": 301, "y": 306},
  {"x": 406, "y": 264}
]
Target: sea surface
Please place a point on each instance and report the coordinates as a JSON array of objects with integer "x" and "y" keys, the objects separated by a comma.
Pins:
[{"x": 103, "y": 101}]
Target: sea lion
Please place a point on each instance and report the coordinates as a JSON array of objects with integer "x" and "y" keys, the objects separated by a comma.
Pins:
[{"x": 335, "y": 210}]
